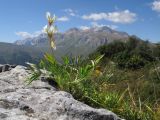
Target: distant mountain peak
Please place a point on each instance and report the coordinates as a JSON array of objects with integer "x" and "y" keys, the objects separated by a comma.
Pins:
[{"x": 76, "y": 41}]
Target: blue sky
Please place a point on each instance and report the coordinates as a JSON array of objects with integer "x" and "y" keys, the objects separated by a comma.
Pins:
[{"x": 25, "y": 18}]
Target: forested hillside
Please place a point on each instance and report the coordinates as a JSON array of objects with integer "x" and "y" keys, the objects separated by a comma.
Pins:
[{"x": 14, "y": 54}]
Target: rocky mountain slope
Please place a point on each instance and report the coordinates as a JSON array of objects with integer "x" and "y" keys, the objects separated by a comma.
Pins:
[
  {"x": 76, "y": 41},
  {"x": 41, "y": 101}
]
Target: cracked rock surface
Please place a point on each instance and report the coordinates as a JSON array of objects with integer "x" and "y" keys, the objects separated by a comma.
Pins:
[{"x": 40, "y": 101}]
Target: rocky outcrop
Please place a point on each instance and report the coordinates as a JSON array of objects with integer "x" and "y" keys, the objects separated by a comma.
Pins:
[
  {"x": 6, "y": 67},
  {"x": 41, "y": 101}
]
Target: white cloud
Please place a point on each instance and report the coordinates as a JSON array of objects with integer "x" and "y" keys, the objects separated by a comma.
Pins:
[
  {"x": 70, "y": 11},
  {"x": 156, "y": 6},
  {"x": 84, "y": 27},
  {"x": 94, "y": 16},
  {"x": 63, "y": 19},
  {"x": 95, "y": 24},
  {"x": 28, "y": 35},
  {"x": 72, "y": 14},
  {"x": 24, "y": 34},
  {"x": 123, "y": 17}
]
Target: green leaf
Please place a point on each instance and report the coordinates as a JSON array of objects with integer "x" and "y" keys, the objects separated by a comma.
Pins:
[
  {"x": 50, "y": 58},
  {"x": 66, "y": 60}
]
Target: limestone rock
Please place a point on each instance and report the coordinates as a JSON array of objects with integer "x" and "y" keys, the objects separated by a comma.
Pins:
[{"x": 41, "y": 101}]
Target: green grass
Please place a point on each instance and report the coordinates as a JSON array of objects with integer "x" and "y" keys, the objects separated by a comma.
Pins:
[{"x": 132, "y": 95}]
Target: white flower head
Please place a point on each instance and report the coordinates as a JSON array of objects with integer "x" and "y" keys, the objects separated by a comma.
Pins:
[
  {"x": 53, "y": 29},
  {"x": 50, "y": 29},
  {"x": 53, "y": 45},
  {"x": 51, "y": 19},
  {"x": 54, "y": 17},
  {"x": 45, "y": 29},
  {"x": 48, "y": 15}
]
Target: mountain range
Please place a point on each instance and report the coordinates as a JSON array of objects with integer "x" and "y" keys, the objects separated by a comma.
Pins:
[
  {"x": 15, "y": 54},
  {"x": 73, "y": 42}
]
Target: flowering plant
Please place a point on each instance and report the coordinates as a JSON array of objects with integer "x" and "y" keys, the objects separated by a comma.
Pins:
[{"x": 51, "y": 29}]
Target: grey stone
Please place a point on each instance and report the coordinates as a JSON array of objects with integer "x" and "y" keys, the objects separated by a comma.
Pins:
[
  {"x": 6, "y": 67},
  {"x": 41, "y": 101}
]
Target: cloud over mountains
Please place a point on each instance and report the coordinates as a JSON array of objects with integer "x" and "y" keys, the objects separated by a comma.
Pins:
[
  {"x": 123, "y": 17},
  {"x": 95, "y": 24},
  {"x": 27, "y": 34}
]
